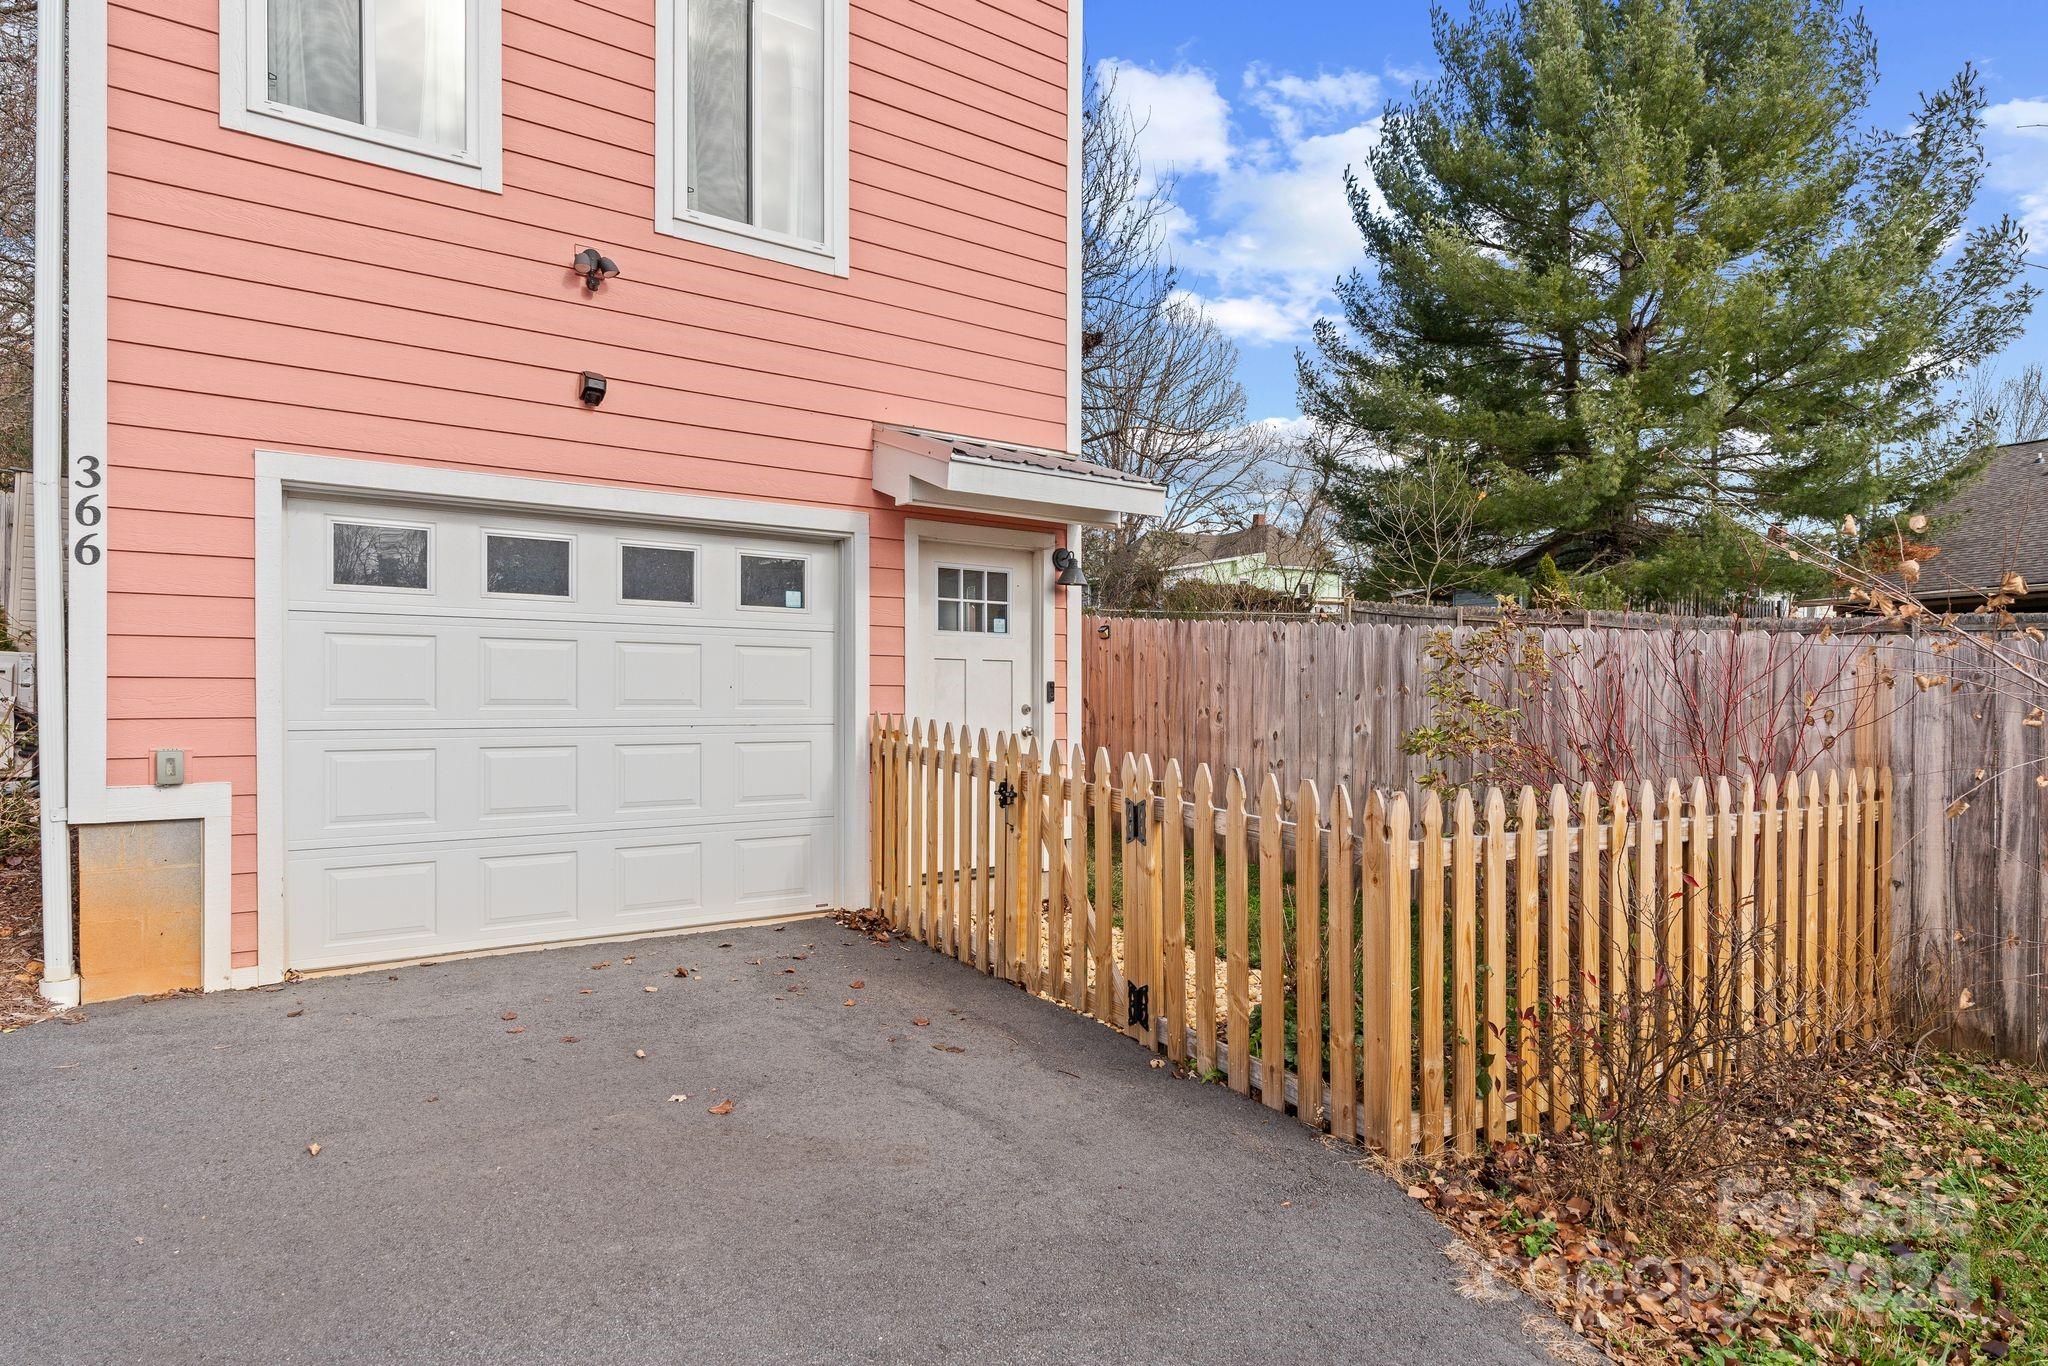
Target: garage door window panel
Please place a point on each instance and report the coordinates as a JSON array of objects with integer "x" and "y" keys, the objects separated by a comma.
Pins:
[
  {"x": 779, "y": 583},
  {"x": 662, "y": 575},
  {"x": 380, "y": 555},
  {"x": 518, "y": 566}
]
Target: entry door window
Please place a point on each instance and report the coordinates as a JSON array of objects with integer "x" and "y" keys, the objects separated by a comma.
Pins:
[{"x": 974, "y": 600}]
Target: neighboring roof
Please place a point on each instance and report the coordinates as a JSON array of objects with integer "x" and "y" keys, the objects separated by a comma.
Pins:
[
  {"x": 1992, "y": 526},
  {"x": 1260, "y": 538},
  {"x": 919, "y": 468}
]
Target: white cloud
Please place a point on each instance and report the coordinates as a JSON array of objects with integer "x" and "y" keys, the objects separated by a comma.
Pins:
[
  {"x": 1254, "y": 318},
  {"x": 1262, "y": 226},
  {"x": 1184, "y": 121},
  {"x": 2019, "y": 160},
  {"x": 1293, "y": 104}
]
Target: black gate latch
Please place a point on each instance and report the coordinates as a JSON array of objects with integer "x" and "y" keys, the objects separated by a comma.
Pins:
[
  {"x": 1006, "y": 796},
  {"x": 1141, "y": 1007},
  {"x": 1135, "y": 824}
]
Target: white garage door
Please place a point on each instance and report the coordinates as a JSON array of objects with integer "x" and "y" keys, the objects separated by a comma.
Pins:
[{"x": 508, "y": 729}]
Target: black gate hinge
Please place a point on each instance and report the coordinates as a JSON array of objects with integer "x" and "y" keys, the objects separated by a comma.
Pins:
[
  {"x": 1140, "y": 1009},
  {"x": 1136, "y": 822}
]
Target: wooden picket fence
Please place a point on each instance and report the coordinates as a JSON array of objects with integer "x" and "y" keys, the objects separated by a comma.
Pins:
[{"x": 1457, "y": 972}]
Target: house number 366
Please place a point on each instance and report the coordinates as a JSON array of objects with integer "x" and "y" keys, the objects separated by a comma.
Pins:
[{"x": 85, "y": 510}]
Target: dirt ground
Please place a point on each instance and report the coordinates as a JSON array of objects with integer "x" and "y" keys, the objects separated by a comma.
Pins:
[{"x": 21, "y": 947}]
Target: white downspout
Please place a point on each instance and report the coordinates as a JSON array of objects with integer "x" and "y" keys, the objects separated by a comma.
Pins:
[{"x": 60, "y": 965}]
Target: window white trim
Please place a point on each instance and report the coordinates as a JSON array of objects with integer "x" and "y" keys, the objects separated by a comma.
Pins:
[
  {"x": 671, "y": 218},
  {"x": 246, "y": 106},
  {"x": 694, "y": 603}
]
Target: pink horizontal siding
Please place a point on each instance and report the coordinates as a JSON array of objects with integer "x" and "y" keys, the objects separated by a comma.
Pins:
[{"x": 267, "y": 296}]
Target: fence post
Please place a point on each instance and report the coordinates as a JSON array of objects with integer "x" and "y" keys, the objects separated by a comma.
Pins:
[
  {"x": 1172, "y": 916},
  {"x": 1237, "y": 938},
  {"x": 1102, "y": 904},
  {"x": 1052, "y": 829},
  {"x": 1529, "y": 967},
  {"x": 1205, "y": 920},
  {"x": 1398, "y": 993},
  {"x": 1142, "y": 941},
  {"x": 1308, "y": 955},
  {"x": 1272, "y": 950},
  {"x": 1341, "y": 974},
  {"x": 1429, "y": 951},
  {"x": 1464, "y": 977}
]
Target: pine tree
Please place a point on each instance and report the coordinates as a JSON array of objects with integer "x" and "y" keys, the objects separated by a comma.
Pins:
[{"x": 1644, "y": 270}]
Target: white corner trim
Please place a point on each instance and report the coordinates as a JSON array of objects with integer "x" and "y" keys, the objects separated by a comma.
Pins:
[
  {"x": 282, "y": 473},
  {"x": 1076, "y": 80},
  {"x": 90, "y": 522},
  {"x": 1077, "y": 627},
  {"x": 916, "y": 531},
  {"x": 60, "y": 968},
  {"x": 1077, "y": 75},
  {"x": 671, "y": 215},
  {"x": 247, "y": 108}
]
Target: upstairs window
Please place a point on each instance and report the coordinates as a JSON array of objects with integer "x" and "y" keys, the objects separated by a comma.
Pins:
[
  {"x": 753, "y": 137},
  {"x": 406, "y": 83}
]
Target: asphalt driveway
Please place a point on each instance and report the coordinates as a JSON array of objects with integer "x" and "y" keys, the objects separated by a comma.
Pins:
[{"x": 943, "y": 1168}]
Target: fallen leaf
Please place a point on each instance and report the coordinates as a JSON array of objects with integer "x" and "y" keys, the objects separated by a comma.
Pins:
[
  {"x": 570, "y": 1038},
  {"x": 920, "y": 1022},
  {"x": 849, "y": 1003},
  {"x": 650, "y": 987},
  {"x": 724, "y": 1107},
  {"x": 516, "y": 1029},
  {"x": 949, "y": 1048},
  {"x": 312, "y": 1150},
  {"x": 639, "y": 1052},
  {"x": 294, "y": 1014},
  {"x": 856, "y": 985},
  {"x": 677, "y": 1099},
  {"x": 509, "y": 1015}
]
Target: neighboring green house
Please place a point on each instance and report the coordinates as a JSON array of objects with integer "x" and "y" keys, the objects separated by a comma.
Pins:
[{"x": 1260, "y": 556}]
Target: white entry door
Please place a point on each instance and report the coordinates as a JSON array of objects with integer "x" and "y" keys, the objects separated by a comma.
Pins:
[
  {"x": 510, "y": 728},
  {"x": 977, "y": 637}
]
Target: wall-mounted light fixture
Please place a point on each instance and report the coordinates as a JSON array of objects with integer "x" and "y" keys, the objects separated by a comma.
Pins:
[
  {"x": 594, "y": 267},
  {"x": 592, "y": 392},
  {"x": 1069, "y": 566}
]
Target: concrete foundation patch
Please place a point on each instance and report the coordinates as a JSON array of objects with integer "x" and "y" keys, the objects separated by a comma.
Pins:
[{"x": 141, "y": 905}]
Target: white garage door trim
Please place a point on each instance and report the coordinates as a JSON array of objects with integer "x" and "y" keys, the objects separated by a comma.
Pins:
[{"x": 282, "y": 474}]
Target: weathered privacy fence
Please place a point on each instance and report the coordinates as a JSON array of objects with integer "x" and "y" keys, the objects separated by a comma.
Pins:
[
  {"x": 1452, "y": 981},
  {"x": 1331, "y": 703}
]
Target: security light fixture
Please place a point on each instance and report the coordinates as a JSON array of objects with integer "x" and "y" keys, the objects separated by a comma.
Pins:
[
  {"x": 594, "y": 267},
  {"x": 592, "y": 392},
  {"x": 1069, "y": 566}
]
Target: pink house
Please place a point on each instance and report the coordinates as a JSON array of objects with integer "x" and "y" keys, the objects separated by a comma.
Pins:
[{"x": 507, "y": 448}]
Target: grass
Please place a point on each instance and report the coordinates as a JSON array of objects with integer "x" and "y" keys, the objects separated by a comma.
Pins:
[
  {"x": 1904, "y": 1218},
  {"x": 1992, "y": 1126}
]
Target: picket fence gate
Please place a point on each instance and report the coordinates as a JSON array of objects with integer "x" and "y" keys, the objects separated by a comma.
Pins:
[{"x": 1460, "y": 970}]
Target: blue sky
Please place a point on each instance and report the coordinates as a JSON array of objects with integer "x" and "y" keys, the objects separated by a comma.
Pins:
[{"x": 1258, "y": 108}]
